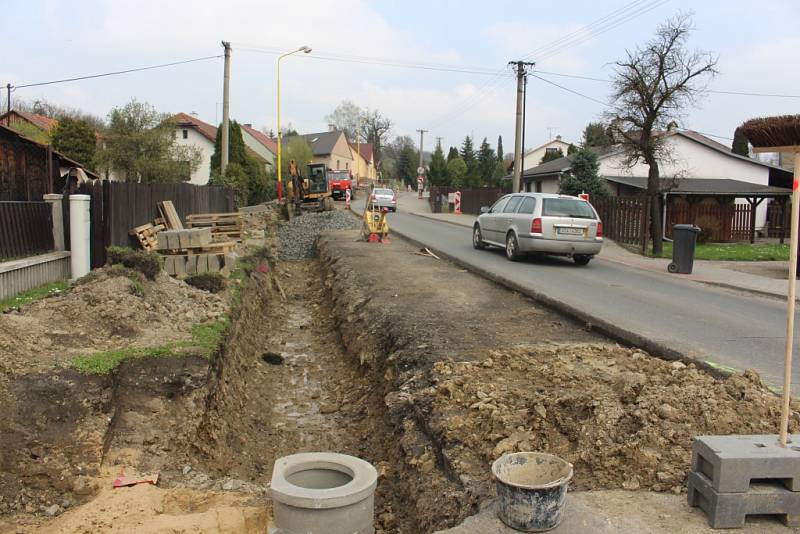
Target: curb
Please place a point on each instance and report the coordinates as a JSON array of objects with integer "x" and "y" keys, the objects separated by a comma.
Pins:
[
  {"x": 445, "y": 221},
  {"x": 597, "y": 324}
]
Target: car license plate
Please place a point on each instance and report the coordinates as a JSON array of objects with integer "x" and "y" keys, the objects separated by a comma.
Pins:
[{"x": 571, "y": 231}]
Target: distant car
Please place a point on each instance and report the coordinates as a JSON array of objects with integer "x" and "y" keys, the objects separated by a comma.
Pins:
[
  {"x": 539, "y": 222},
  {"x": 384, "y": 198}
]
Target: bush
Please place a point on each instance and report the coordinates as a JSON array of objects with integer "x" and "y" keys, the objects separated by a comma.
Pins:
[
  {"x": 211, "y": 282},
  {"x": 710, "y": 229},
  {"x": 147, "y": 263}
]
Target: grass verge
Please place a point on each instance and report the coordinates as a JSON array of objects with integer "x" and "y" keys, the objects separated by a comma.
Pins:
[
  {"x": 205, "y": 339},
  {"x": 736, "y": 252},
  {"x": 36, "y": 293}
]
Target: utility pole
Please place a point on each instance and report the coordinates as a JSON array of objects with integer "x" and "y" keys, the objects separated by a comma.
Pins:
[
  {"x": 8, "y": 98},
  {"x": 421, "y": 133},
  {"x": 226, "y": 97},
  {"x": 521, "y": 69},
  {"x": 524, "y": 116}
]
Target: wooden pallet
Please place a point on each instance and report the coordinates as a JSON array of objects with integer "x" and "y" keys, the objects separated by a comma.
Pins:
[
  {"x": 147, "y": 234},
  {"x": 223, "y": 225},
  {"x": 170, "y": 215}
]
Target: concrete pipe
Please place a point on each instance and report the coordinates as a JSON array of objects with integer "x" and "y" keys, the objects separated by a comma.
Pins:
[
  {"x": 323, "y": 493},
  {"x": 79, "y": 223}
]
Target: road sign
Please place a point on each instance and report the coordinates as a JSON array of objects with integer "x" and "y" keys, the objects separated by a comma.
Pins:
[{"x": 420, "y": 170}]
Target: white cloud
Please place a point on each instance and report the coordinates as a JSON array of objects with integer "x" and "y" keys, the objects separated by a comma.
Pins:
[{"x": 539, "y": 42}]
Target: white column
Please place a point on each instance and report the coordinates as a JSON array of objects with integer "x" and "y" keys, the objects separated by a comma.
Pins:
[
  {"x": 57, "y": 208},
  {"x": 79, "y": 235}
]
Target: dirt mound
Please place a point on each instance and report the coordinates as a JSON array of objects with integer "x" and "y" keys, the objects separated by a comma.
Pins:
[
  {"x": 106, "y": 310},
  {"x": 623, "y": 418}
]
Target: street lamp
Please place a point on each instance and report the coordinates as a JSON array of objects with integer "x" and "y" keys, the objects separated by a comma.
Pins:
[{"x": 305, "y": 50}]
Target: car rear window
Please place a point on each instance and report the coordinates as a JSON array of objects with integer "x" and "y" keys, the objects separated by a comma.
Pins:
[
  {"x": 528, "y": 203},
  {"x": 567, "y": 207},
  {"x": 511, "y": 207},
  {"x": 384, "y": 192}
]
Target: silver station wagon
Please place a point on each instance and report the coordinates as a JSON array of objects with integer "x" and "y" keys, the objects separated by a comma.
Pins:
[{"x": 539, "y": 222}]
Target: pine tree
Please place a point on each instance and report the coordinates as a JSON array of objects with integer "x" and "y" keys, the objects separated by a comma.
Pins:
[
  {"x": 244, "y": 173},
  {"x": 551, "y": 155},
  {"x": 596, "y": 134},
  {"x": 500, "y": 154},
  {"x": 740, "y": 144},
  {"x": 437, "y": 173},
  {"x": 472, "y": 178},
  {"x": 452, "y": 154},
  {"x": 487, "y": 162},
  {"x": 583, "y": 177},
  {"x": 76, "y": 139}
]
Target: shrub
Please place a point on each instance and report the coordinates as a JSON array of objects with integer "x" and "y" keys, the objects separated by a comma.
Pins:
[
  {"x": 710, "y": 229},
  {"x": 211, "y": 282},
  {"x": 147, "y": 263}
]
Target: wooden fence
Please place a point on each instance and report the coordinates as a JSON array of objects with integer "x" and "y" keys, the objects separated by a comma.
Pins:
[
  {"x": 471, "y": 199},
  {"x": 116, "y": 207},
  {"x": 720, "y": 222},
  {"x": 625, "y": 220},
  {"x": 26, "y": 228}
]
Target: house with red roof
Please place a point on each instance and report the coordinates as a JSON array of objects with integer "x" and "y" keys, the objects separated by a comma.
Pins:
[
  {"x": 364, "y": 162},
  {"x": 23, "y": 121},
  {"x": 260, "y": 143}
]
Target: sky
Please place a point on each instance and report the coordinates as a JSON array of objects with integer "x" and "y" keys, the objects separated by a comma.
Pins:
[{"x": 46, "y": 40}]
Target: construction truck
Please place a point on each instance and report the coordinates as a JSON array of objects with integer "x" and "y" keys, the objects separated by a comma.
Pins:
[
  {"x": 341, "y": 181},
  {"x": 313, "y": 192}
]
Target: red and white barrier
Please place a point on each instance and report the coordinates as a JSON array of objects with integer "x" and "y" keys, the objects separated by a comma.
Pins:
[
  {"x": 457, "y": 202},
  {"x": 347, "y": 198}
]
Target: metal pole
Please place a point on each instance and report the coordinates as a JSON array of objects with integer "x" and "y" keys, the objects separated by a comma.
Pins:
[
  {"x": 226, "y": 108},
  {"x": 8, "y": 98},
  {"x": 306, "y": 50},
  {"x": 787, "y": 357},
  {"x": 421, "y": 133}
]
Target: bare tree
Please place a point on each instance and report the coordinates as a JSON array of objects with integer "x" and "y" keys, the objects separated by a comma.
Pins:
[
  {"x": 346, "y": 117},
  {"x": 375, "y": 129},
  {"x": 653, "y": 86}
]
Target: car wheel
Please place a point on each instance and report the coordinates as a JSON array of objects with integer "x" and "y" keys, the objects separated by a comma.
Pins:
[
  {"x": 477, "y": 238},
  {"x": 512, "y": 247},
  {"x": 581, "y": 259}
]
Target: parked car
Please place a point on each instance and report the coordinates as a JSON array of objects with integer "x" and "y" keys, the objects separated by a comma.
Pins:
[
  {"x": 539, "y": 222},
  {"x": 384, "y": 198}
]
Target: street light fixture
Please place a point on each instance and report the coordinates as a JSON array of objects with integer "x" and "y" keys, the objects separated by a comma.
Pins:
[{"x": 305, "y": 50}]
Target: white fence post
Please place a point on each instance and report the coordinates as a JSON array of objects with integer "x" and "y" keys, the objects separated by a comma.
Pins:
[{"x": 79, "y": 223}]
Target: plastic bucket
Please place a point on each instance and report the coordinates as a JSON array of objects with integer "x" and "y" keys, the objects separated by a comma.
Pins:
[{"x": 531, "y": 490}]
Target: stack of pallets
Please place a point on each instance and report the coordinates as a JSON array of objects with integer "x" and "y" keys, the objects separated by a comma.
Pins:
[
  {"x": 193, "y": 251},
  {"x": 224, "y": 226},
  {"x": 147, "y": 235}
]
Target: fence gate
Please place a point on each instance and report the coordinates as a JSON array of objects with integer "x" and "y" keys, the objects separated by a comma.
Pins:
[
  {"x": 625, "y": 220},
  {"x": 26, "y": 228}
]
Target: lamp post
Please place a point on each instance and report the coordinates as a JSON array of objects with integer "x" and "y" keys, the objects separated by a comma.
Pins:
[{"x": 306, "y": 50}]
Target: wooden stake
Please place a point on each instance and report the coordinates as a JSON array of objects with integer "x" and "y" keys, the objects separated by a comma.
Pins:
[{"x": 787, "y": 358}]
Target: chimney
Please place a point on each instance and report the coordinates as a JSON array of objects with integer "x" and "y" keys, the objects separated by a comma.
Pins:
[
  {"x": 672, "y": 126},
  {"x": 558, "y": 137}
]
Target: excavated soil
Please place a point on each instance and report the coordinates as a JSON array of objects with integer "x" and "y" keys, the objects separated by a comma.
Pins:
[{"x": 102, "y": 312}]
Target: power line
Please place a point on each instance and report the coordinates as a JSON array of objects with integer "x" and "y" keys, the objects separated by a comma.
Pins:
[
  {"x": 138, "y": 69},
  {"x": 604, "y": 104}
]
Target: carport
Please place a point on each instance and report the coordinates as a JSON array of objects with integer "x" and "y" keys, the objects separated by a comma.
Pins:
[{"x": 722, "y": 189}]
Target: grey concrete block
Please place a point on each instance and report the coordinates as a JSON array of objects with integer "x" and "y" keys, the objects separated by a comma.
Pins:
[
  {"x": 180, "y": 265},
  {"x": 202, "y": 263},
  {"x": 213, "y": 263},
  {"x": 200, "y": 237},
  {"x": 191, "y": 264},
  {"x": 731, "y": 462},
  {"x": 169, "y": 265},
  {"x": 185, "y": 238},
  {"x": 173, "y": 241},
  {"x": 730, "y": 510}
]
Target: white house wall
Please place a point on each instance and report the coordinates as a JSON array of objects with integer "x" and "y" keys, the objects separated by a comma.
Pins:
[
  {"x": 694, "y": 160},
  {"x": 256, "y": 146},
  {"x": 534, "y": 158},
  {"x": 202, "y": 174}
]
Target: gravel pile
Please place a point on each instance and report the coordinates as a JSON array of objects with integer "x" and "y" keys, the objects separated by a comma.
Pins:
[{"x": 298, "y": 239}]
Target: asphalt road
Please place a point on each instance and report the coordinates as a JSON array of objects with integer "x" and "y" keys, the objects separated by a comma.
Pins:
[{"x": 720, "y": 326}]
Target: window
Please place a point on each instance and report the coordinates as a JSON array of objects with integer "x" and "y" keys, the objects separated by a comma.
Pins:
[
  {"x": 567, "y": 207},
  {"x": 512, "y": 204},
  {"x": 528, "y": 203},
  {"x": 338, "y": 164},
  {"x": 346, "y": 165},
  {"x": 498, "y": 206},
  {"x": 539, "y": 186},
  {"x": 551, "y": 150},
  {"x": 186, "y": 134}
]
